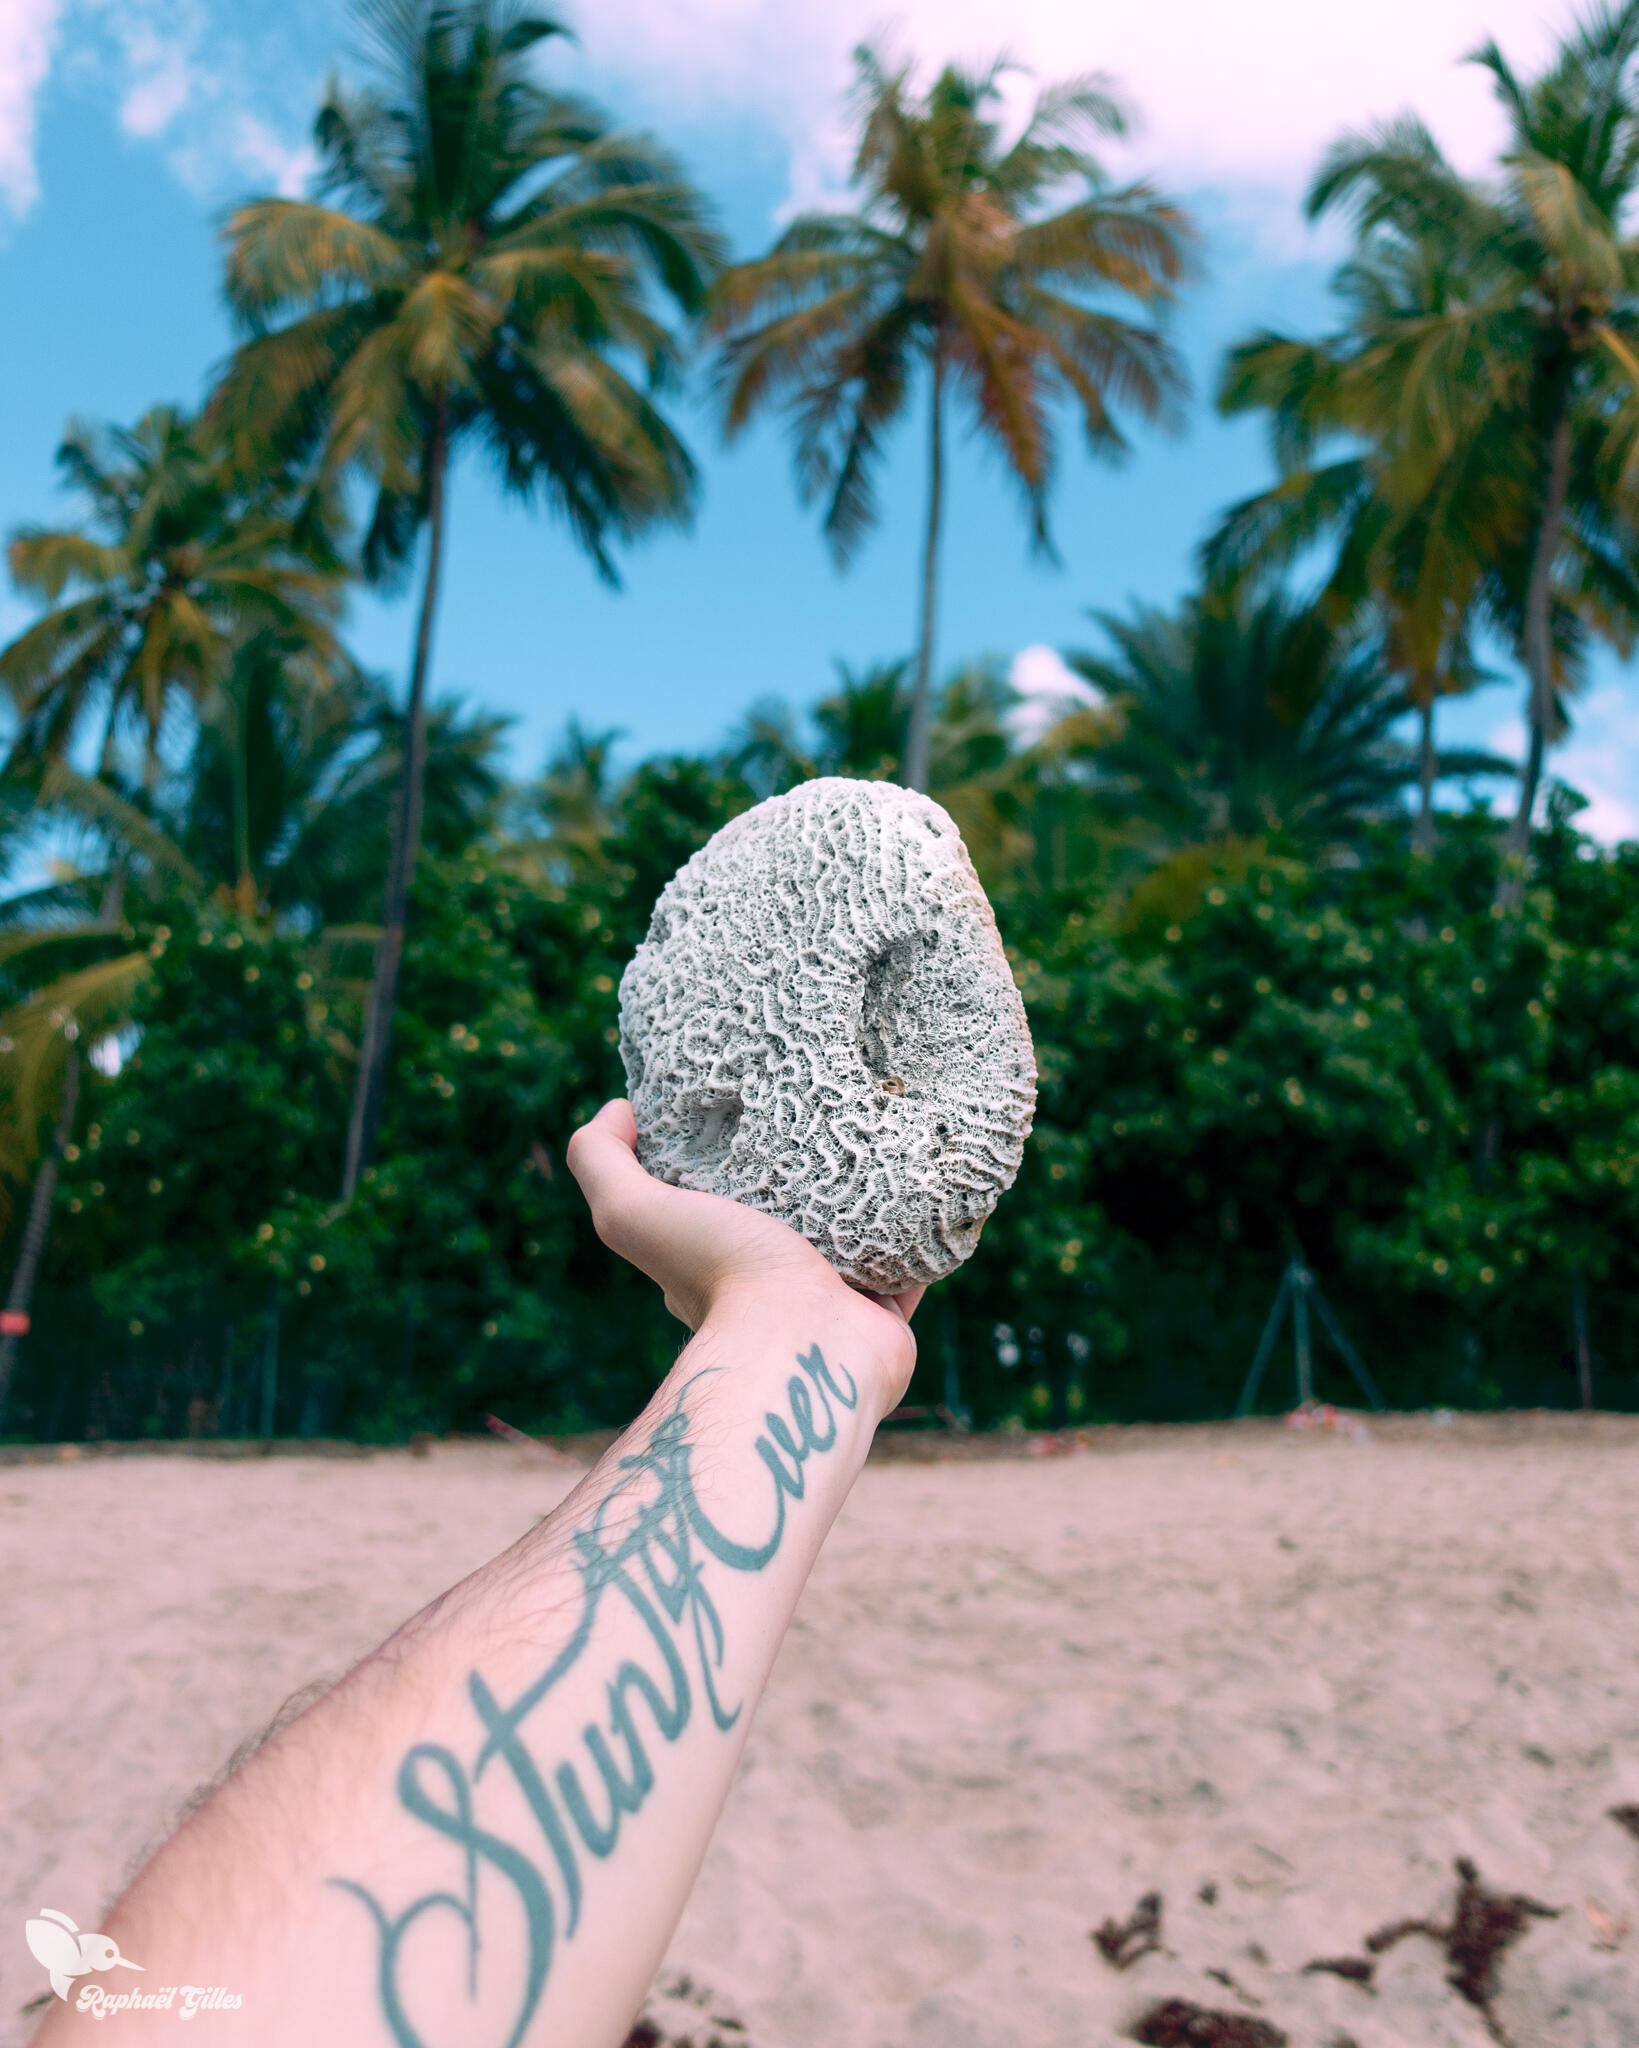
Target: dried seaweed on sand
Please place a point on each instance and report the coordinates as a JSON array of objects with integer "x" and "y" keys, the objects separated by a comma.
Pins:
[
  {"x": 1484, "y": 1924},
  {"x": 1122, "y": 1942},
  {"x": 1176, "y": 2023}
]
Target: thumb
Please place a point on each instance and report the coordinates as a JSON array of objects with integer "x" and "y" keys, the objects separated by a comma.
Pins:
[
  {"x": 602, "y": 1155},
  {"x": 659, "y": 1229}
]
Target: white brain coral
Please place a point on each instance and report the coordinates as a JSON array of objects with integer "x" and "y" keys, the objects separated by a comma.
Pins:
[{"x": 822, "y": 1024}]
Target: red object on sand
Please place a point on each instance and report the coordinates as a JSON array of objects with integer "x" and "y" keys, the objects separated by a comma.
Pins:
[{"x": 13, "y": 1323}]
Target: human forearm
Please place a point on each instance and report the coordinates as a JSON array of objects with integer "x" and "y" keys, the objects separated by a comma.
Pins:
[{"x": 487, "y": 1832}]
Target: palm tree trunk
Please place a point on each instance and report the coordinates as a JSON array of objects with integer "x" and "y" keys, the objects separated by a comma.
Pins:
[
  {"x": 245, "y": 884},
  {"x": 105, "y": 754},
  {"x": 1539, "y": 651},
  {"x": 370, "y": 1082},
  {"x": 112, "y": 907},
  {"x": 113, "y": 887},
  {"x": 1422, "y": 833},
  {"x": 919, "y": 739},
  {"x": 15, "y": 1324}
]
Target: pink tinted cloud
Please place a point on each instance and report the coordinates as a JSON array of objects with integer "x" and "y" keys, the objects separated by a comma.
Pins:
[
  {"x": 1245, "y": 95},
  {"x": 27, "y": 33}
]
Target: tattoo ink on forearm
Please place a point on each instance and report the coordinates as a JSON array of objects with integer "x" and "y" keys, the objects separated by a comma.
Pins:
[{"x": 657, "y": 1564}]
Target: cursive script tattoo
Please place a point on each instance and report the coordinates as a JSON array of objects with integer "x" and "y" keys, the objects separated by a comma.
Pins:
[{"x": 650, "y": 1544}]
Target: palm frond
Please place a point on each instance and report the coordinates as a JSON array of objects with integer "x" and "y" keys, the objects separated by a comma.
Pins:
[
  {"x": 284, "y": 254},
  {"x": 794, "y": 352},
  {"x": 1133, "y": 241},
  {"x": 1270, "y": 529},
  {"x": 44, "y": 560},
  {"x": 90, "y": 1002},
  {"x": 1395, "y": 177},
  {"x": 93, "y": 803},
  {"x": 840, "y": 422}
]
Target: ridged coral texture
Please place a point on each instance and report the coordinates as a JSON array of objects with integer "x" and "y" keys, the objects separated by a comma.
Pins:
[{"x": 822, "y": 1024}]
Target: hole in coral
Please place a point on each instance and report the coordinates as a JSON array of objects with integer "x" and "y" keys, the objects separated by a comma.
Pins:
[
  {"x": 716, "y": 1119},
  {"x": 890, "y": 1001}
]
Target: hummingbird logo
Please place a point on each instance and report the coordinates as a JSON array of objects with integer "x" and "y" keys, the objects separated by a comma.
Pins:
[{"x": 60, "y": 1947}]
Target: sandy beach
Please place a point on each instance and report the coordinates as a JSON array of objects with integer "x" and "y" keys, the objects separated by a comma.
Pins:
[{"x": 1283, "y": 1682}]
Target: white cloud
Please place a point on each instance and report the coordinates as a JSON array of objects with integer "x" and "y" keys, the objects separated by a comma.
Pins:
[
  {"x": 266, "y": 157},
  {"x": 1247, "y": 95},
  {"x": 186, "y": 82},
  {"x": 27, "y": 32},
  {"x": 1599, "y": 759},
  {"x": 227, "y": 93},
  {"x": 161, "y": 76},
  {"x": 1047, "y": 689},
  {"x": 1241, "y": 96}
]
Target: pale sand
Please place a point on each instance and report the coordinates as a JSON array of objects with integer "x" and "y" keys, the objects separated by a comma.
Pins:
[{"x": 1017, "y": 1695}]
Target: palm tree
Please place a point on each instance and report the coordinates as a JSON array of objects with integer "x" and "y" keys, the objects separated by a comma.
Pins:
[
  {"x": 294, "y": 775},
  {"x": 953, "y": 265},
  {"x": 488, "y": 265},
  {"x": 563, "y": 822},
  {"x": 324, "y": 764},
  {"x": 14, "y": 1319},
  {"x": 1240, "y": 718},
  {"x": 1390, "y": 564},
  {"x": 1537, "y": 354},
  {"x": 858, "y": 730},
  {"x": 181, "y": 560},
  {"x": 71, "y": 974},
  {"x": 1426, "y": 565},
  {"x": 861, "y": 727},
  {"x": 1421, "y": 571}
]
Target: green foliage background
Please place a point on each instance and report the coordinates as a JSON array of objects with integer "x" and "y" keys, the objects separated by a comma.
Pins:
[
  {"x": 1438, "y": 1106},
  {"x": 1277, "y": 1014}
]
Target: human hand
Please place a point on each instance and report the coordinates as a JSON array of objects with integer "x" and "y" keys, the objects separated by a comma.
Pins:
[{"x": 710, "y": 1256}]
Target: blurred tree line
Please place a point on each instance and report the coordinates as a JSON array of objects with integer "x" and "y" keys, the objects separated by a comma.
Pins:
[
  {"x": 301, "y": 996},
  {"x": 1295, "y": 1041}
]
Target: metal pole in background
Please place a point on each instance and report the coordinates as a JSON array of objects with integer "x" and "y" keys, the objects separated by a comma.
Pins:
[
  {"x": 1266, "y": 1344},
  {"x": 1299, "y": 1287},
  {"x": 1351, "y": 1357},
  {"x": 1579, "y": 1326},
  {"x": 1300, "y": 1277},
  {"x": 224, "y": 1384}
]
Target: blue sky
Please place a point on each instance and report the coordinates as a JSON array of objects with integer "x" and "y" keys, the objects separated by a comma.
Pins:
[{"x": 126, "y": 127}]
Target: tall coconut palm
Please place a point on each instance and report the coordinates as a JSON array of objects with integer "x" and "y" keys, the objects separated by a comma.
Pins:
[
  {"x": 964, "y": 270},
  {"x": 1540, "y": 353},
  {"x": 180, "y": 559},
  {"x": 485, "y": 278},
  {"x": 1424, "y": 567}
]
